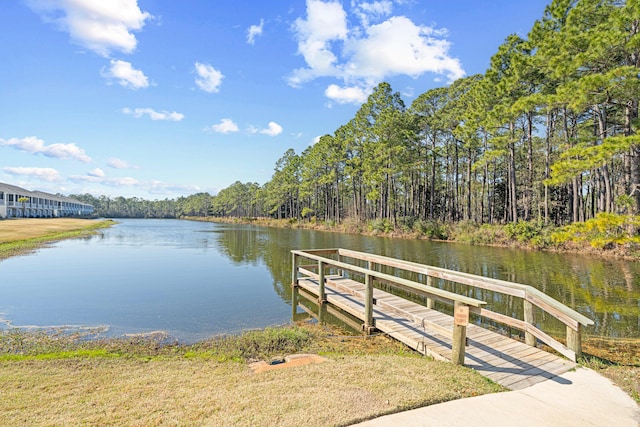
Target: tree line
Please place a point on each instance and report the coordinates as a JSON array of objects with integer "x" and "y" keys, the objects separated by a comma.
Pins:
[
  {"x": 135, "y": 207},
  {"x": 548, "y": 133}
]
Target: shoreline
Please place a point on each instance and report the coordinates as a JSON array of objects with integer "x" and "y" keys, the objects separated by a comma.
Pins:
[{"x": 360, "y": 229}]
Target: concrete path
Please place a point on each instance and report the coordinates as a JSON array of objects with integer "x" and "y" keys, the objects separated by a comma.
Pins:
[{"x": 577, "y": 398}]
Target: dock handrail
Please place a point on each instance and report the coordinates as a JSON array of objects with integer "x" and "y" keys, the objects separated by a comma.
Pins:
[{"x": 531, "y": 296}]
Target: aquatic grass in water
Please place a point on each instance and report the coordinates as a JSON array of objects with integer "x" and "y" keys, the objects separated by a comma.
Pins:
[{"x": 16, "y": 344}]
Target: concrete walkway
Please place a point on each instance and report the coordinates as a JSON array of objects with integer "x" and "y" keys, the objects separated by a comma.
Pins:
[{"x": 577, "y": 398}]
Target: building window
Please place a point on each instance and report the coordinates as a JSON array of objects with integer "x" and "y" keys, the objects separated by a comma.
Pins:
[{"x": 1, "y": 195}]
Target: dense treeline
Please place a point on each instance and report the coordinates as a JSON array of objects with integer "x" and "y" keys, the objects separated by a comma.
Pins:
[
  {"x": 548, "y": 133},
  {"x": 134, "y": 207}
]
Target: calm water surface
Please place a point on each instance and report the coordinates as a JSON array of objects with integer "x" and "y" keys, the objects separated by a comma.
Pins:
[{"x": 195, "y": 280}]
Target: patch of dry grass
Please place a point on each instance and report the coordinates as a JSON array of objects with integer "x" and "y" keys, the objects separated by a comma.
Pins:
[
  {"x": 19, "y": 236},
  {"x": 204, "y": 392},
  {"x": 12, "y": 230},
  {"x": 190, "y": 385}
]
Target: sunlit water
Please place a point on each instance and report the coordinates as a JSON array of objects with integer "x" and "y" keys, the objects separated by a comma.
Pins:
[{"x": 195, "y": 280}]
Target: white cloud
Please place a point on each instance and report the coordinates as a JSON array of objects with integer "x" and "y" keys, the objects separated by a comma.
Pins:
[
  {"x": 154, "y": 115},
  {"x": 362, "y": 56},
  {"x": 126, "y": 75},
  {"x": 326, "y": 22},
  {"x": 346, "y": 95},
  {"x": 45, "y": 174},
  {"x": 273, "y": 129},
  {"x": 97, "y": 172},
  {"x": 254, "y": 31},
  {"x": 225, "y": 126},
  {"x": 117, "y": 163},
  {"x": 101, "y": 26},
  {"x": 398, "y": 46},
  {"x": 209, "y": 79},
  {"x": 36, "y": 145}
]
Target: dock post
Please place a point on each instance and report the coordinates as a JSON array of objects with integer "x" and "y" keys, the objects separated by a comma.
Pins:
[
  {"x": 294, "y": 301},
  {"x": 429, "y": 300},
  {"x": 368, "y": 302},
  {"x": 321, "y": 295},
  {"x": 459, "y": 340},
  {"x": 574, "y": 340},
  {"x": 294, "y": 287},
  {"x": 294, "y": 270},
  {"x": 529, "y": 338}
]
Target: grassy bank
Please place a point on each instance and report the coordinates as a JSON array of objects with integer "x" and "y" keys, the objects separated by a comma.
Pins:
[
  {"x": 20, "y": 236},
  {"x": 62, "y": 380}
]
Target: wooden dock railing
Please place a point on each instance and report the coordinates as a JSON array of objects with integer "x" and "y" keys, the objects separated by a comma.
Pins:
[{"x": 345, "y": 260}]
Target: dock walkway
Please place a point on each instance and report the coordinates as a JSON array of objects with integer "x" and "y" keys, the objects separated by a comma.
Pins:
[{"x": 511, "y": 363}]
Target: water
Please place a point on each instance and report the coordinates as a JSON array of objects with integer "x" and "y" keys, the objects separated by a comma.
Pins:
[{"x": 195, "y": 280}]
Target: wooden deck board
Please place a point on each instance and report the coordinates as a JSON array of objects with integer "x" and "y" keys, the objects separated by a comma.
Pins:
[{"x": 508, "y": 362}]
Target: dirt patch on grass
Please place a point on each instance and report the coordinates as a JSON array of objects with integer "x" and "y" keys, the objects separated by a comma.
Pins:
[{"x": 285, "y": 362}]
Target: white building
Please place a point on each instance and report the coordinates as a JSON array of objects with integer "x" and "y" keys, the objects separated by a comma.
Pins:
[{"x": 16, "y": 202}]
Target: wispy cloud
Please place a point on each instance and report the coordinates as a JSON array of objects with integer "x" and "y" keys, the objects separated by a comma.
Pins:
[
  {"x": 153, "y": 115},
  {"x": 98, "y": 177},
  {"x": 225, "y": 126},
  {"x": 209, "y": 79},
  {"x": 126, "y": 75},
  {"x": 163, "y": 188},
  {"x": 45, "y": 174},
  {"x": 117, "y": 163},
  {"x": 97, "y": 172},
  {"x": 254, "y": 31},
  {"x": 32, "y": 144},
  {"x": 100, "y": 26},
  {"x": 104, "y": 180}
]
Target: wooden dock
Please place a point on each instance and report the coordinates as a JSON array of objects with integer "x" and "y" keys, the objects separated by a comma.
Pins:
[{"x": 511, "y": 363}]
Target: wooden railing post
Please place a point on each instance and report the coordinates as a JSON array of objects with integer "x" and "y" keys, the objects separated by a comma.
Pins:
[
  {"x": 294, "y": 270},
  {"x": 294, "y": 287},
  {"x": 459, "y": 340},
  {"x": 368, "y": 302},
  {"x": 529, "y": 318},
  {"x": 294, "y": 301},
  {"x": 574, "y": 340},
  {"x": 429, "y": 299},
  {"x": 321, "y": 295}
]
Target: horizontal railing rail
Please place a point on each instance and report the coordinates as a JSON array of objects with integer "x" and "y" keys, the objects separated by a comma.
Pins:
[{"x": 463, "y": 305}]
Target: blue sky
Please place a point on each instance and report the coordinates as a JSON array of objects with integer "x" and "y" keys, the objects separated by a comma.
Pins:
[{"x": 161, "y": 98}]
